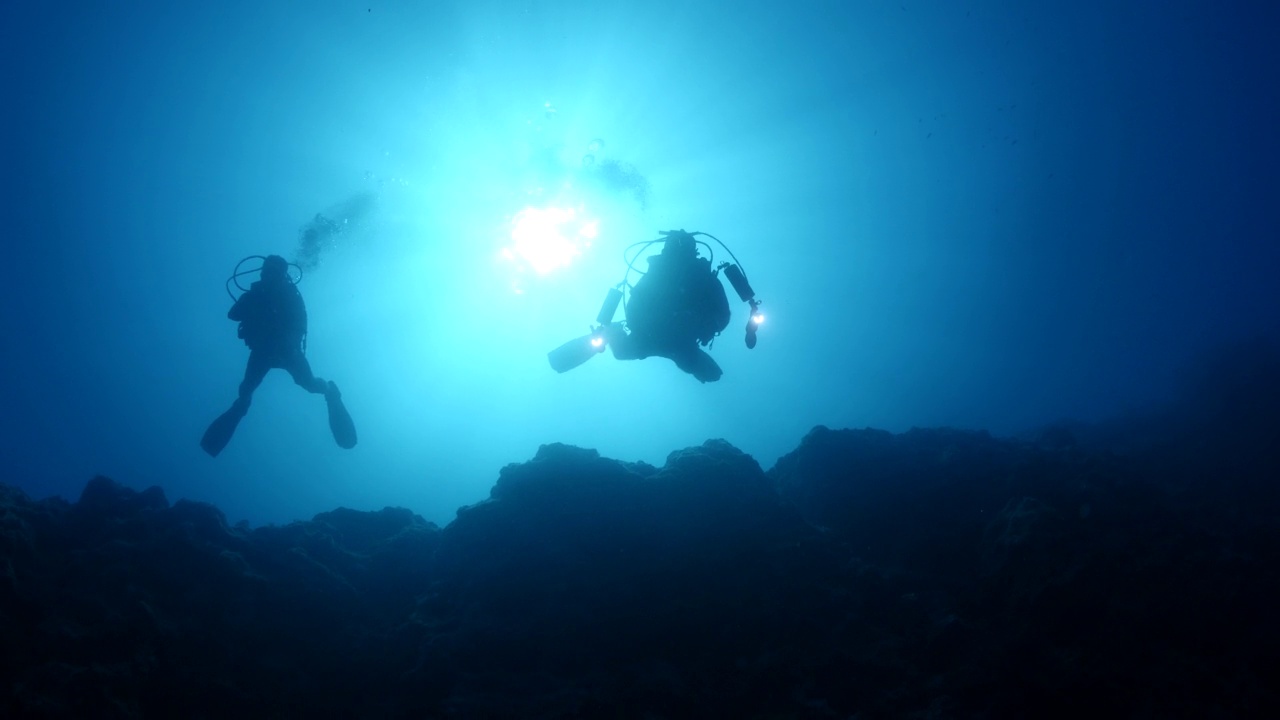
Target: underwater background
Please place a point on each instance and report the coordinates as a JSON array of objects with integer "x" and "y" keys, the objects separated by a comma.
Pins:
[{"x": 1006, "y": 446}]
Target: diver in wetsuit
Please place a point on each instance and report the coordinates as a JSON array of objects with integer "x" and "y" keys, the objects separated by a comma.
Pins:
[
  {"x": 273, "y": 323},
  {"x": 678, "y": 305},
  {"x": 677, "y": 308}
]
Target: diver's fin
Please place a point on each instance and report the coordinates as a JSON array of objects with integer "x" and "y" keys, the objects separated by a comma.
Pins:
[
  {"x": 340, "y": 423},
  {"x": 573, "y": 353},
  {"x": 221, "y": 430}
]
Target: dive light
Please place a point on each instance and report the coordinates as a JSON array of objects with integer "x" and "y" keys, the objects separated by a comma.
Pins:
[
  {"x": 738, "y": 280},
  {"x": 753, "y": 322},
  {"x": 604, "y": 318}
]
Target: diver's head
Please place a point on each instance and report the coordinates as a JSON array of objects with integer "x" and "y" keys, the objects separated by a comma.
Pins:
[
  {"x": 275, "y": 268},
  {"x": 680, "y": 245}
]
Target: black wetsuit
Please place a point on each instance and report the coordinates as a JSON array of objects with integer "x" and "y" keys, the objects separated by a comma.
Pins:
[
  {"x": 273, "y": 323},
  {"x": 677, "y": 305}
]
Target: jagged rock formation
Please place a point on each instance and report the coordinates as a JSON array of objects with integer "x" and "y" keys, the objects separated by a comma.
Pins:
[{"x": 936, "y": 573}]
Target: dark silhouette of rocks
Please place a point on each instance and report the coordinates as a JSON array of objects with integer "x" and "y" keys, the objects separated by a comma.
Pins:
[{"x": 1121, "y": 571}]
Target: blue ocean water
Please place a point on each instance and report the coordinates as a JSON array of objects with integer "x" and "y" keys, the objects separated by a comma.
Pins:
[{"x": 981, "y": 215}]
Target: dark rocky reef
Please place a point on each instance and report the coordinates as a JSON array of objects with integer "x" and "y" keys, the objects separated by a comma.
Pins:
[
  {"x": 932, "y": 574},
  {"x": 124, "y": 606}
]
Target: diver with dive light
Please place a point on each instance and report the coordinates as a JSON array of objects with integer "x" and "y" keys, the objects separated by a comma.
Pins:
[
  {"x": 677, "y": 308},
  {"x": 273, "y": 323}
]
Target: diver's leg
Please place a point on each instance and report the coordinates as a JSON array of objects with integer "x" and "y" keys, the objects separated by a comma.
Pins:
[
  {"x": 697, "y": 363},
  {"x": 340, "y": 424},
  {"x": 220, "y": 430},
  {"x": 300, "y": 369},
  {"x": 254, "y": 371}
]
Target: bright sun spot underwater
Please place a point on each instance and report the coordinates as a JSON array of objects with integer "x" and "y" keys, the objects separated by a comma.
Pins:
[{"x": 546, "y": 239}]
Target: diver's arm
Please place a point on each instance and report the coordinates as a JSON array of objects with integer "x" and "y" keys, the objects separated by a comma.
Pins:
[{"x": 241, "y": 309}]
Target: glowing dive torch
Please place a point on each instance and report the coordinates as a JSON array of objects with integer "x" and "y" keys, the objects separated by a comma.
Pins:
[
  {"x": 739, "y": 282},
  {"x": 753, "y": 323},
  {"x": 605, "y": 317}
]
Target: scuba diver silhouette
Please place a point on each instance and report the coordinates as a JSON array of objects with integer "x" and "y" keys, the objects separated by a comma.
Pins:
[
  {"x": 677, "y": 306},
  {"x": 273, "y": 323}
]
